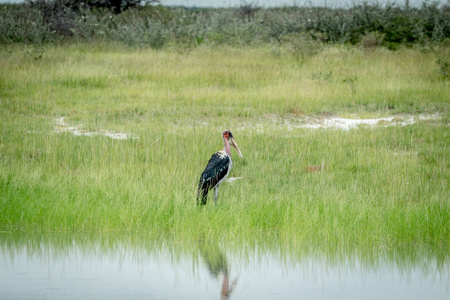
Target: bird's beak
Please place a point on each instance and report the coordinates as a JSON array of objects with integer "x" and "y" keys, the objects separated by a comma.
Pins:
[{"x": 235, "y": 146}]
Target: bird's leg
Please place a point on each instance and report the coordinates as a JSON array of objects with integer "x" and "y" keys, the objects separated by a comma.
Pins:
[{"x": 216, "y": 189}]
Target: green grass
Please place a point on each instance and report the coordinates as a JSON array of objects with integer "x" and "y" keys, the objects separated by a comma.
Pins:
[{"x": 379, "y": 186}]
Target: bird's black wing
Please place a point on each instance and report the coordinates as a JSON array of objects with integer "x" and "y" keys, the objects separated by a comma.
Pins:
[{"x": 215, "y": 170}]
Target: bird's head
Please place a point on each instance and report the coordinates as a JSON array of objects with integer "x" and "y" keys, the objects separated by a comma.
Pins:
[{"x": 229, "y": 136}]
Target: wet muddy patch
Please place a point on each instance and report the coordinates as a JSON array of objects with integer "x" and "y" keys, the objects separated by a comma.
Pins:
[
  {"x": 233, "y": 179},
  {"x": 62, "y": 126}
]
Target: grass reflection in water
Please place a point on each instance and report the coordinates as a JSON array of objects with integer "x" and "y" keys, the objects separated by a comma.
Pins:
[{"x": 164, "y": 267}]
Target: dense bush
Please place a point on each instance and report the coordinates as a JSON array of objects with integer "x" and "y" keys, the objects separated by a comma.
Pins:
[{"x": 127, "y": 21}]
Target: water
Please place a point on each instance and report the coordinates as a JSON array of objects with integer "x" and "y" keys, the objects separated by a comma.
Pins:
[{"x": 99, "y": 267}]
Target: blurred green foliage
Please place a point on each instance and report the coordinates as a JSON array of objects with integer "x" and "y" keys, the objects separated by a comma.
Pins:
[{"x": 157, "y": 26}]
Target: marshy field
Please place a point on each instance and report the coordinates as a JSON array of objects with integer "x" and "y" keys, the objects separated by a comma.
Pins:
[
  {"x": 345, "y": 145},
  {"x": 102, "y": 138}
]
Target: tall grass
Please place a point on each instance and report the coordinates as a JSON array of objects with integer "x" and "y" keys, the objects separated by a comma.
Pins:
[{"x": 383, "y": 185}]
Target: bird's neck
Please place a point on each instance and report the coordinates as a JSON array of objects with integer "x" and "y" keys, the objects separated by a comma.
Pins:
[{"x": 227, "y": 148}]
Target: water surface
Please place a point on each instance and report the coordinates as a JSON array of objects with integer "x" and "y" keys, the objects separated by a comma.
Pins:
[{"x": 140, "y": 267}]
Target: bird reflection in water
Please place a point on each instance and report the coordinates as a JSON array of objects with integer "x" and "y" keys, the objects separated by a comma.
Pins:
[{"x": 217, "y": 265}]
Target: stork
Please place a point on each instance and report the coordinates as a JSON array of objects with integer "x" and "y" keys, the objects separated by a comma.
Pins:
[{"x": 217, "y": 169}]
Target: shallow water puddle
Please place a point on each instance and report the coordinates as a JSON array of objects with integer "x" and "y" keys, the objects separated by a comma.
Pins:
[
  {"x": 346, "y": 124},
  {"x": 138, "y": 268},
  {"x": 62, "y": 126},
  {"x": 334, "y": 122}
]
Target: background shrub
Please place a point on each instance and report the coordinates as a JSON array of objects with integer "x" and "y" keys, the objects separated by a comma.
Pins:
[{"x": 147, "y": 25}]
